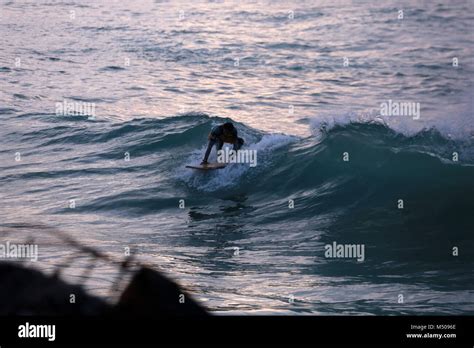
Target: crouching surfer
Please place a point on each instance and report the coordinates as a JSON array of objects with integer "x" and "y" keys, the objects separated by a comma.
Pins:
[{"x": 225, "y": 133}]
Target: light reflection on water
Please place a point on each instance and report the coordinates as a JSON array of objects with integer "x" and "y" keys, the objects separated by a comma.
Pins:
[{"x": 249, "y": 62}]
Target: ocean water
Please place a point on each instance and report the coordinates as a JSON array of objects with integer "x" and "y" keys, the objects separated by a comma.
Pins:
[{"x": 303, "y": 82}]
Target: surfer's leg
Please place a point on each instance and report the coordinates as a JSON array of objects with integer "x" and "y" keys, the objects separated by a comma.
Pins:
[
  {"x": 238, "y": 144},
  {"x": 208, "y": 150}
]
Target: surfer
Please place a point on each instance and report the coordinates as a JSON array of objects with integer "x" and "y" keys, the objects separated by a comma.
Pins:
[{"x": 225, "y": 133}]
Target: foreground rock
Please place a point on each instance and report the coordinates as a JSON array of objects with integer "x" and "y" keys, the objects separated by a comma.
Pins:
[{"x": 24, "y": 291}]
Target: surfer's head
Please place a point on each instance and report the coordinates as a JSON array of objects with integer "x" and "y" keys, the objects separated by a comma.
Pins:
[{"x": 228, "y": 127}]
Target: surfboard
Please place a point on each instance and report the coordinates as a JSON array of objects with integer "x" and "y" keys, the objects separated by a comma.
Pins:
[{"x": 209, "y": 166}]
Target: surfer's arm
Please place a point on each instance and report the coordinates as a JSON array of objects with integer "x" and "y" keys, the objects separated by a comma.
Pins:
[
  {"x": 216, "y": 132},
  {"x": 211, "y": 143},
  {"x": 214, "y": 136}
]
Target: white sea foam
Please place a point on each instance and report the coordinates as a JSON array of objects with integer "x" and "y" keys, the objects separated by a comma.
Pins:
[
  {"x": 232, "y": 174},
  {"x": 452, "y": 122}
]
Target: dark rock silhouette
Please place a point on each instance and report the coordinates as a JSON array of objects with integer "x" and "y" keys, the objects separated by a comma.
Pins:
[
  {"x": 152, "y": 294},
  {"x": 25, "y": 291}
]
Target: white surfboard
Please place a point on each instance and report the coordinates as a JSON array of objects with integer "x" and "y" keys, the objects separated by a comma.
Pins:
[{"x": 209, "y": 166}]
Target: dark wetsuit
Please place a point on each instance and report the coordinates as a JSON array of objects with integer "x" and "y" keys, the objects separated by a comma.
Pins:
[{"x": 218, "y": 137}]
